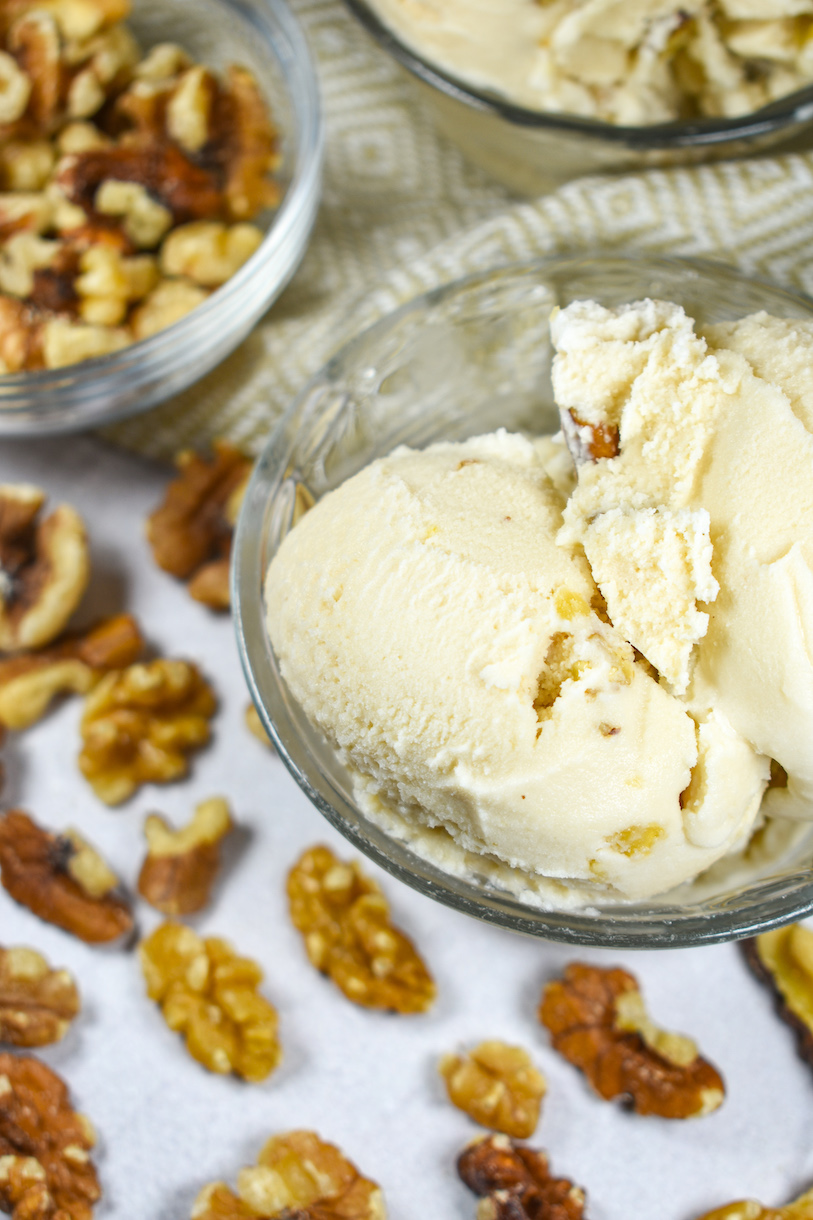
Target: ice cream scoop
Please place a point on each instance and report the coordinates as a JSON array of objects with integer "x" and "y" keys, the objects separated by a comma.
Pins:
[
  {"x": 713, "y": 435},
  {"x": 464, "y": 665}
]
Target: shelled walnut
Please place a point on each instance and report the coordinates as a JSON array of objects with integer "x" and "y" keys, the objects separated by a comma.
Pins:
[
  {"x": 181, "y": 865},
  {"x": 191, "y": 531},
  {"x": 597, "y": 1020},
  {"x": 62, "y": 879},
  {"x": 140, "y": 724},
  {"x": 110, "y": 165},
  {"x": 749, "y": 1209},
  {"x": 44, "y": 567},
  {"x": 345, "y": 921},
  {"x": 515, "y": 1183},
  {"x": 256, "y": 727},
  {"x": 45, "y": 1167},
  {"x": 209, "y": 994},
  {"x": 29, "y": 682},
  {"x": 298, "y": 1176},
  {"x": 37, "y": 1004},
  {"x": 497, "y": 1085},
  {"x": 783, "y": 959}
]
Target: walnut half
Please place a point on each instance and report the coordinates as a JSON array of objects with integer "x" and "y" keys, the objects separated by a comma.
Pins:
[
  {"x": 515, "y": 1183},
  {"x": 37, "y": 1004},
  {"x": 497, "y": 1085},
  {"x": 783, "y": 959},
  {"x": 209, "y": 994},
  {"x": 44, "y": 568},
  {"x": 749, "y": 1209},
  {"x": 45, "y": 1167},
  {"x": 62, "y": 879},
  {"x": 597, "y": 1020},
  {"x": 298, "y": 1176},
  {"x": 181, "y": 865},
  {"x": 345, "y": 921},
  {"x": 139, "y": 725}
]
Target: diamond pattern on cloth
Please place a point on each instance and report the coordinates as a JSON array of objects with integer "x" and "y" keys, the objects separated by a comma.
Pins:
[{"x": 402, "y": 212}]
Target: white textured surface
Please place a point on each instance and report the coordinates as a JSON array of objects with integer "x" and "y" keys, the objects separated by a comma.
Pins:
[{"x": 366, "y": 1081}]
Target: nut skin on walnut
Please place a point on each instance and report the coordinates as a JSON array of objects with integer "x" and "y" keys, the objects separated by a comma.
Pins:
[
  {"x": 209, "y": 994},
  {"x": 749, "y": 1209},
  {"x": 589, "y": 442},
  {"x": 73, "y": 664},
  {"x": 345, "y": 921},
  {"x": 515, "y": 1183},
  {"x": 181, "y": 866},
  {"x": 37, "y": 1004},
  {"x": 497, "y": 1085},
  {"x": 45, "y": 1167},
  {"x": 140, "y": 724},
  {"x": 62, "y": 879},
  {"x": 44, "y": 568},
  {"x": 597, "y": 1020},
  {"x": 298, "y": 1176},
  {"x": 783, "y": 960},
  {"x": 191, "y": 531}
]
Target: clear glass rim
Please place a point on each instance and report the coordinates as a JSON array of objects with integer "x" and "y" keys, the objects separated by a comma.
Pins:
[
  {"x": 171, "y": 348},
  {"x": 771, "y": 903},
  {"x": 793, "y": 109}
]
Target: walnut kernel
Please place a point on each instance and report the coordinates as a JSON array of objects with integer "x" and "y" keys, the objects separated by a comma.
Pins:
[
  {"x": 168, "y": 302},
  {"x": 344, "y": 919},
  {"x": 749, "y": 1209},
  {"x": 62, "y": 879},
  {"x": 597, "y": 1020},
  {"x": 515, "y": 1183},
  {"x": 191, "y": 531},
  {"x": 783, "y": 959},
  {"x": 209, "y": 994},
  {"x": 181, "y": 865},
  {"x": 297, "y": 1176},
  {"x": 140, "y": 724},
  {"x": 256, "y": 726},
  {"x": 207, "y": 252},
  {"x": 45, "y": 1167},
  {"x": 44, "y": 568},
  {"x": 496, "y": 1085},
  {"x": 30, "y": 681},
  {"x": 37, "y": 1004}
]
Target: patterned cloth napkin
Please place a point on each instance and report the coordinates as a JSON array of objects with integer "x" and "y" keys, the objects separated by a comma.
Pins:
[{"x": 402, "y": 212}]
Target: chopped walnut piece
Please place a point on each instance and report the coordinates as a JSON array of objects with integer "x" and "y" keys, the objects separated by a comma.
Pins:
[
  {"x": 65, "y": 342},
  {"x": 588, "y": 442},
  {"x": 31, "y": 681},
  {"x": 140, "y": 724},
  {"x": 496, "y": 1085},
  {"x": 62, "y": 879},
  {"x": 209, "y": 994},
  {"x": 44, "y": 567},
  {"x": 168, "y": 302},
  {"x": 181, "y": 865},
  {"x": 19, "y": 342},
  {"x": 749, "y": 1209},
  {"x": 515, "y": 1183},
  {"x": 45, "y": 1168},
  {"x": 345, "y": 921},
  {"x": 37, "y": 1004},
  {"x": 597, "y": 1020},
  {"x": 191, "y": 532},
  {"x": 207, "y": 252},
  {"x": 298, "y": 1176},
  {"x": 783, "y": 959},
  {"x": 256, "y": 726},
  {"x": 15, "y": 89},
  {"x": 246, "y": 142}
]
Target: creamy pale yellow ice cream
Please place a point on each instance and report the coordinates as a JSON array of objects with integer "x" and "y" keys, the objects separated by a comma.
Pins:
[
  {"x": 626, "y": 61},
  {"x": 435, "y": 622},
  {"x": 715, "y": 451}
]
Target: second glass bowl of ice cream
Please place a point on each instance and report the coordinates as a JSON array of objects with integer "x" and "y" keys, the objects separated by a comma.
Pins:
[{"x": 462, "y": 361}]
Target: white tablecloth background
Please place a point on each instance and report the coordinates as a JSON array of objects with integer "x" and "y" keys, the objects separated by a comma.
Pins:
[{"x": 364, "y": 1080}]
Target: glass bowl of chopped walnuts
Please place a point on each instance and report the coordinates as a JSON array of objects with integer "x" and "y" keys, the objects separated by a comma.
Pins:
[
  {"x": 160, "y": 168},
  {"x": 537, "y": 93},
  {"x": 418, "y": 693}
]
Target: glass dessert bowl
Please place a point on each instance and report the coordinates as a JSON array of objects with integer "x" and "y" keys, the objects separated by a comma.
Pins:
[
  {"x": 263, "y": 37},
  {"x": 532, "y": 151},
  {"x": 462, "y": 361}
]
